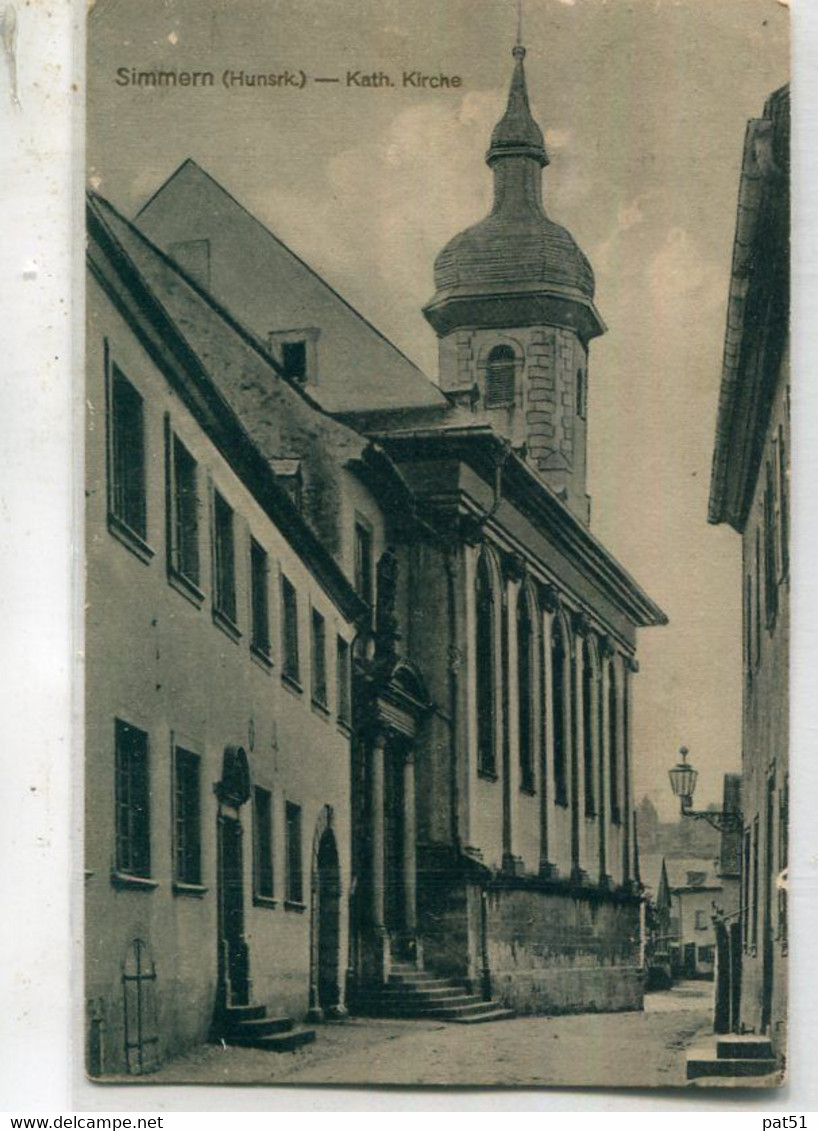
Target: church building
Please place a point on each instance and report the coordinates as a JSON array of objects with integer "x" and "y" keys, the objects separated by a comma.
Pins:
[{"x": 489, "y": 859}]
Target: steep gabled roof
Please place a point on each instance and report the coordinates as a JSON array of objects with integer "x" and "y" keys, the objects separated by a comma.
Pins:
[{"x": 214, "y": 366}]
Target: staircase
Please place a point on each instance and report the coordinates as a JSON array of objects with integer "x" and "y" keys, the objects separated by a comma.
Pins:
[
  {"x": 250, "y": 1027},
  {"x": 736, "y": 1056},
  {"x": 410, "y": 992}
]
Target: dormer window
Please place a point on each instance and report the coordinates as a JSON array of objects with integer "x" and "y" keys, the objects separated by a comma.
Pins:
[
  {"x": 296, "y": 351},
  {"x": 500, "y": 371}
]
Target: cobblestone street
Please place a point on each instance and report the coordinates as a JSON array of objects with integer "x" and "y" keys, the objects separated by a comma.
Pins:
[{"x": 592, "y": 1050}]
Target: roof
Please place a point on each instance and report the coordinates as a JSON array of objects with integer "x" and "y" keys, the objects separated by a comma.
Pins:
[
  {"x": 478, "y": 444},
  {"x": 679, "y": 871},
  {"x": 757, "y": 312},
  {"x": 209, "y": 360},
  {"x": 253, "y": 271},
  {"x": 517, "y": 250}
]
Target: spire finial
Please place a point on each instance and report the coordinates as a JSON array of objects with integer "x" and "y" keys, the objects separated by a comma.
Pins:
[{"x": 519, "y": 51}]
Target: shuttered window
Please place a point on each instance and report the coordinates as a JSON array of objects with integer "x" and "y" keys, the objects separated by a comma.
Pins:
[{"x": 500, "y": 371}]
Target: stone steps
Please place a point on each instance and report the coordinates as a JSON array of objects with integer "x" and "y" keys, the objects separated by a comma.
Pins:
[
  {"x": 410, "y": 992},
  {"x": 248, "y": 1026},
  {"x": 735, "y": 1056}
]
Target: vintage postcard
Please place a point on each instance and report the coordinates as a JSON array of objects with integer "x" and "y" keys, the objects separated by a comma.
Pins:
[{"x": 437, "y": 542}]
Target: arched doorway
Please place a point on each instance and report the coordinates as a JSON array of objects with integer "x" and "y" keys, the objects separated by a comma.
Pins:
[{"x": 328, "y": 912}]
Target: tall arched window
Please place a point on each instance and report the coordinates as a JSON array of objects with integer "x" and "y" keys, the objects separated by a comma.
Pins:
[
  {"x": 525, "y": 690},
  {"x": 613, "y": 746},
  {"x": 485, "y": 671},
  {"x": 587, "y": 732},
  {"x": 500, "y": 370},
  {"x": 558, "y": 657}
]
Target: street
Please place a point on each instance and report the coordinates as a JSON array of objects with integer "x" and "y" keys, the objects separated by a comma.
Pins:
[{"x": 592, "y": 1050}]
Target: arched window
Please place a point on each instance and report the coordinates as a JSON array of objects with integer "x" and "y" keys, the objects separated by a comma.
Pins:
[
  {"x": 587, "y": 732},
  {"x": 485, "y": 671},
  {"x": 525, "y": 689},
  {"x": 500, "y": 370},
  {"x": 613, "y": 746},
  {"x": 558, "y": 654}
]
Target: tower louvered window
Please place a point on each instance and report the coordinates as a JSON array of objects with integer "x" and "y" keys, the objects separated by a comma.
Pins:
[{"x": 500, "y": 371}]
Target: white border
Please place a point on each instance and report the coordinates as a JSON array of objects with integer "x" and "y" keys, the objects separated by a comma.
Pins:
[{"x": 41, "y": 274}]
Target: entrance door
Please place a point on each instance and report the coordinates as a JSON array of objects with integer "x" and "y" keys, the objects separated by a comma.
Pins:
[
  {"x": 234, "y": 970},
  {"x": 328, "y": 910},
  {"x": 393, "y": 847},
  {"x": 767, "y": 940}
]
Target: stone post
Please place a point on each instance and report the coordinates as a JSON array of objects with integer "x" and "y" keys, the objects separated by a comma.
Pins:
[
  {"x": 409, "y": 839},
  {"x": 377, "y": 910},
  {"x": 547, "y": 746}
]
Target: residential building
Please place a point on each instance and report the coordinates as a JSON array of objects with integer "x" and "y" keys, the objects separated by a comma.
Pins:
[{"x": 750, "y": 490}]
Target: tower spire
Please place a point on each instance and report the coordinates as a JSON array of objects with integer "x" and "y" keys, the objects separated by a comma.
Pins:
[{"x": 517, "y": 134}]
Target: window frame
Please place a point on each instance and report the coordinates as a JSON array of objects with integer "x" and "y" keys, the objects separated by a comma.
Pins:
[
  {"x": 526, "y": 724},
  {"x": 184, "y": 836},
  {"x": 121, "y": 523},
  {"x": 486, "y": 669},
  {"x": 225, "y": 613},
  {"x": 260, "y": 635},
  {"x": 290, "y": 644},
  {"x": 263, "y": 848},
  {"x": 501, "y": 369},
  {"x": 132, "y": 851},
  {"x": 183, "y": 571},
  {"x": 319, "y": 683},
  {"x": 294, "y": 856}
]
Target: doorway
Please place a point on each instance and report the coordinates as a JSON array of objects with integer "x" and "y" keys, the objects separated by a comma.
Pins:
[
  {"x": 767, "y": 937},
  {"x": 328, "y": 911},
  {"x": 234, "y": 971},
  {"x": 393, "y": 846}
]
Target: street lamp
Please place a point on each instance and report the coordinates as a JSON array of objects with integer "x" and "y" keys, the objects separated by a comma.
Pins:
[{"x": 683, "y": 783}]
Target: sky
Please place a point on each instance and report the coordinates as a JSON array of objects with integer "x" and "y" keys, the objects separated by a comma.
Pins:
[{"x": 643, "y": 104}]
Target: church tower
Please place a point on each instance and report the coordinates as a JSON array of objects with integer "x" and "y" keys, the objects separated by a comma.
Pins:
[{"x": 514, "y": 311}]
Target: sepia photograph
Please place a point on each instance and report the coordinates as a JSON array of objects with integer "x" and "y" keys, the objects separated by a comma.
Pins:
[{"x": 437, "y": 543}]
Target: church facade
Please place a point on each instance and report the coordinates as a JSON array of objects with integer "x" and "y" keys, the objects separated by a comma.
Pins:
[{"x": 489, "y": 859}]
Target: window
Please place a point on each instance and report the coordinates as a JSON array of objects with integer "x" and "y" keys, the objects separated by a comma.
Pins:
[
  {"x": 290, "y": 665},
  {"x": 613, "y": 746},
  {"x": 748, "y": 627},
  {"x": 783, "y": 505},
  {"x": 364, "y": 571},
  {"x": 133, "y": 849},
  {"x": 696, "y": 879},
  {"x": 295, "y": 889},
  {"x": 500, "y": 370},
  {"x": 224, "y": 564},
  {"x": 260, "y": 640},
  {"x": 485, "y": 667},
  {"x": 745, "y": 889},
  {"x": 263, "y": 842},
  {"x": 187, "y": 833},
  {"x": 754, "y": 891},
  {"x": 558, "y": 664},
  {"x": 758, "y": 597},
  {"x": 183, "y": 510},
  {"x": 525, "y": 693},
  {"x": 342, "y": 672},
  {"x": 587, "y": 730},
  {"x": 294, "y": 360},
  {"x": 701, "y": 920},
  {"x": 707, "y": 954},
  {"x": 783, "y": 860},
  {"x": 582, "y": 394},
  {"x": 319, "y": 659},
  {"x": 770, "y": 551},
  {"x": 127, "y": 497}
]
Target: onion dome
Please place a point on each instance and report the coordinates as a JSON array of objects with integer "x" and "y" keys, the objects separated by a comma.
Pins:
[{"x": 516, "y": 251}]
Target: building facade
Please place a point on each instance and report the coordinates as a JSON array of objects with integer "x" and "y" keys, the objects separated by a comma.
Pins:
[
  {"x": 218, "y": 680},
  {"x": 750, "y": 490},
  {"x": 482, "y": 784}
]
